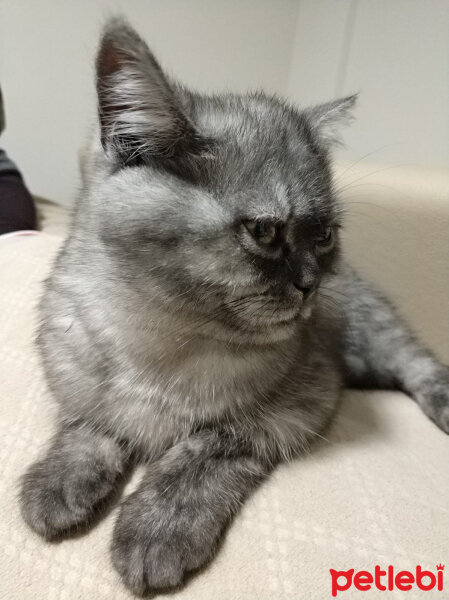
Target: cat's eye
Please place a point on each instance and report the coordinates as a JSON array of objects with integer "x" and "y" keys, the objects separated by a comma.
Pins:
[
  {"x": 264, "y": 232},
  {"x": 325, "y": 239}
]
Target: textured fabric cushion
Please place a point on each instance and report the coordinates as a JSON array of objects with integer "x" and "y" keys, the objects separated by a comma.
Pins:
[{"x": 375, "y": 491}]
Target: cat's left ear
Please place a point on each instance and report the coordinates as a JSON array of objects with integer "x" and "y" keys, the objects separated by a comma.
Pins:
[
  {"x": 140, "y": 115},
  {"x": 326, "y": 119}
]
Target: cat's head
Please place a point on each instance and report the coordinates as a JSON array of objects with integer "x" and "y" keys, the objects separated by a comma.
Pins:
[{"x": 218, "y": 205}]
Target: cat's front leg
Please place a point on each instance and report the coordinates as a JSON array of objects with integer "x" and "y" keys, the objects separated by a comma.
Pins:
[
  {"x": 67, "y": 487},
  {"x": 172, "y": 523},
  {"x": 380, "y": 351}
]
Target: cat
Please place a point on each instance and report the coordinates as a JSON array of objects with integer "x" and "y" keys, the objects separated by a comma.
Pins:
[{"x": 200, "y": 318}]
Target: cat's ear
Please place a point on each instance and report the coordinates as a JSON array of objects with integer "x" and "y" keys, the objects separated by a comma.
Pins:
[
  {"x": 326, "y": 119},
  {"x": 140, "y": 117}
]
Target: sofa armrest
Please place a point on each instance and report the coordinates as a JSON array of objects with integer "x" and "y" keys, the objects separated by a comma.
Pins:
[{"x": 397, "y": 235}]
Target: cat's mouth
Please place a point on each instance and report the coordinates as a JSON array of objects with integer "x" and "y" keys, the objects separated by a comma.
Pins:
[{"x": 258, "y": 318}]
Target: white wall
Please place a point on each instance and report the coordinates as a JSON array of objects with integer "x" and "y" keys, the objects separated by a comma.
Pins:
[
  {"x": 46, "y": 57},
  {"x": 395, "y": 52}
]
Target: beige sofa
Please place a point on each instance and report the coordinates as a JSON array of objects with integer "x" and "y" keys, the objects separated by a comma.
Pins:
[{"x": 376, "y": 491}]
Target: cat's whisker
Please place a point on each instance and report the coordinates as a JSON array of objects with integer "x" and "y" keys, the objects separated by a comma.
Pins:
[
  {"x": 341, "y": 188},
  {"x": 349, "y": 168}
]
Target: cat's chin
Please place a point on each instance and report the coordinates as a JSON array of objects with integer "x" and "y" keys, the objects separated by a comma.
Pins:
[
  {"x": 271, "y": 335},
  {"x": 265, "y": 332}
]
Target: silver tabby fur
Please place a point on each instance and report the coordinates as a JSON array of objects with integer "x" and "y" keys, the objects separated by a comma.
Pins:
[{"x": 171, "y": 336}]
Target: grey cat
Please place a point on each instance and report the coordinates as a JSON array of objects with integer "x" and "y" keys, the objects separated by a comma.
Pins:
[{"x": 199, "y": 318}]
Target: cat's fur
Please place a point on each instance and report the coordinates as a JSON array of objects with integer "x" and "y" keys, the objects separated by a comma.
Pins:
[{"x": 171, "y": 334}]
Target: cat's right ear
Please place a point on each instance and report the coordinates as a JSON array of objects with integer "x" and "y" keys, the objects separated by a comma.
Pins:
[
  {"x": 140, "y": 118},
  {"x": 326, "y": 119}
]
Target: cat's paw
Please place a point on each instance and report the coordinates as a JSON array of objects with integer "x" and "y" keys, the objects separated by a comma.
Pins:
[
  {"x": 147, "y": 563},
  {"x": 152, "y": 550},
  {"x": 56, "y": 499},
  {"x": 434, "y": 400}
]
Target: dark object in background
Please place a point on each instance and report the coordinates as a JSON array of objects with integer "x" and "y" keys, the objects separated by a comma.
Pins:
[
  {"x": 2, "y": 113},
  {"x": 17, "y": 210}
]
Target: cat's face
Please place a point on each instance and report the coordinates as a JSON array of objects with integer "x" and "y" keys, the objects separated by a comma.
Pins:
[{"x": 223, "y": 205}]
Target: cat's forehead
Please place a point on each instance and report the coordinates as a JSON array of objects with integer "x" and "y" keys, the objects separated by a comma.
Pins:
[
  {"x": 244, "y": 119},
  {"x": 263, "y": 159}
]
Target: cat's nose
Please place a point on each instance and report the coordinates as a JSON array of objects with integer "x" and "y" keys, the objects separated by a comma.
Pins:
[{"x": 306, "y": 291}]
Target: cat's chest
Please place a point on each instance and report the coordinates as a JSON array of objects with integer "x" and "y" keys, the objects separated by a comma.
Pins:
[
  {"x": 160, "y": 402},
  {"x": 205, "y": 381}
]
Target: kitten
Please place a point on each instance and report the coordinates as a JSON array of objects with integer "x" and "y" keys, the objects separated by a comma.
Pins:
[{"x": 187, "y": 321}]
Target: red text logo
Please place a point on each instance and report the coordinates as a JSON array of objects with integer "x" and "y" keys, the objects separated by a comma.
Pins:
[{"x": 387, "y": 579}]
